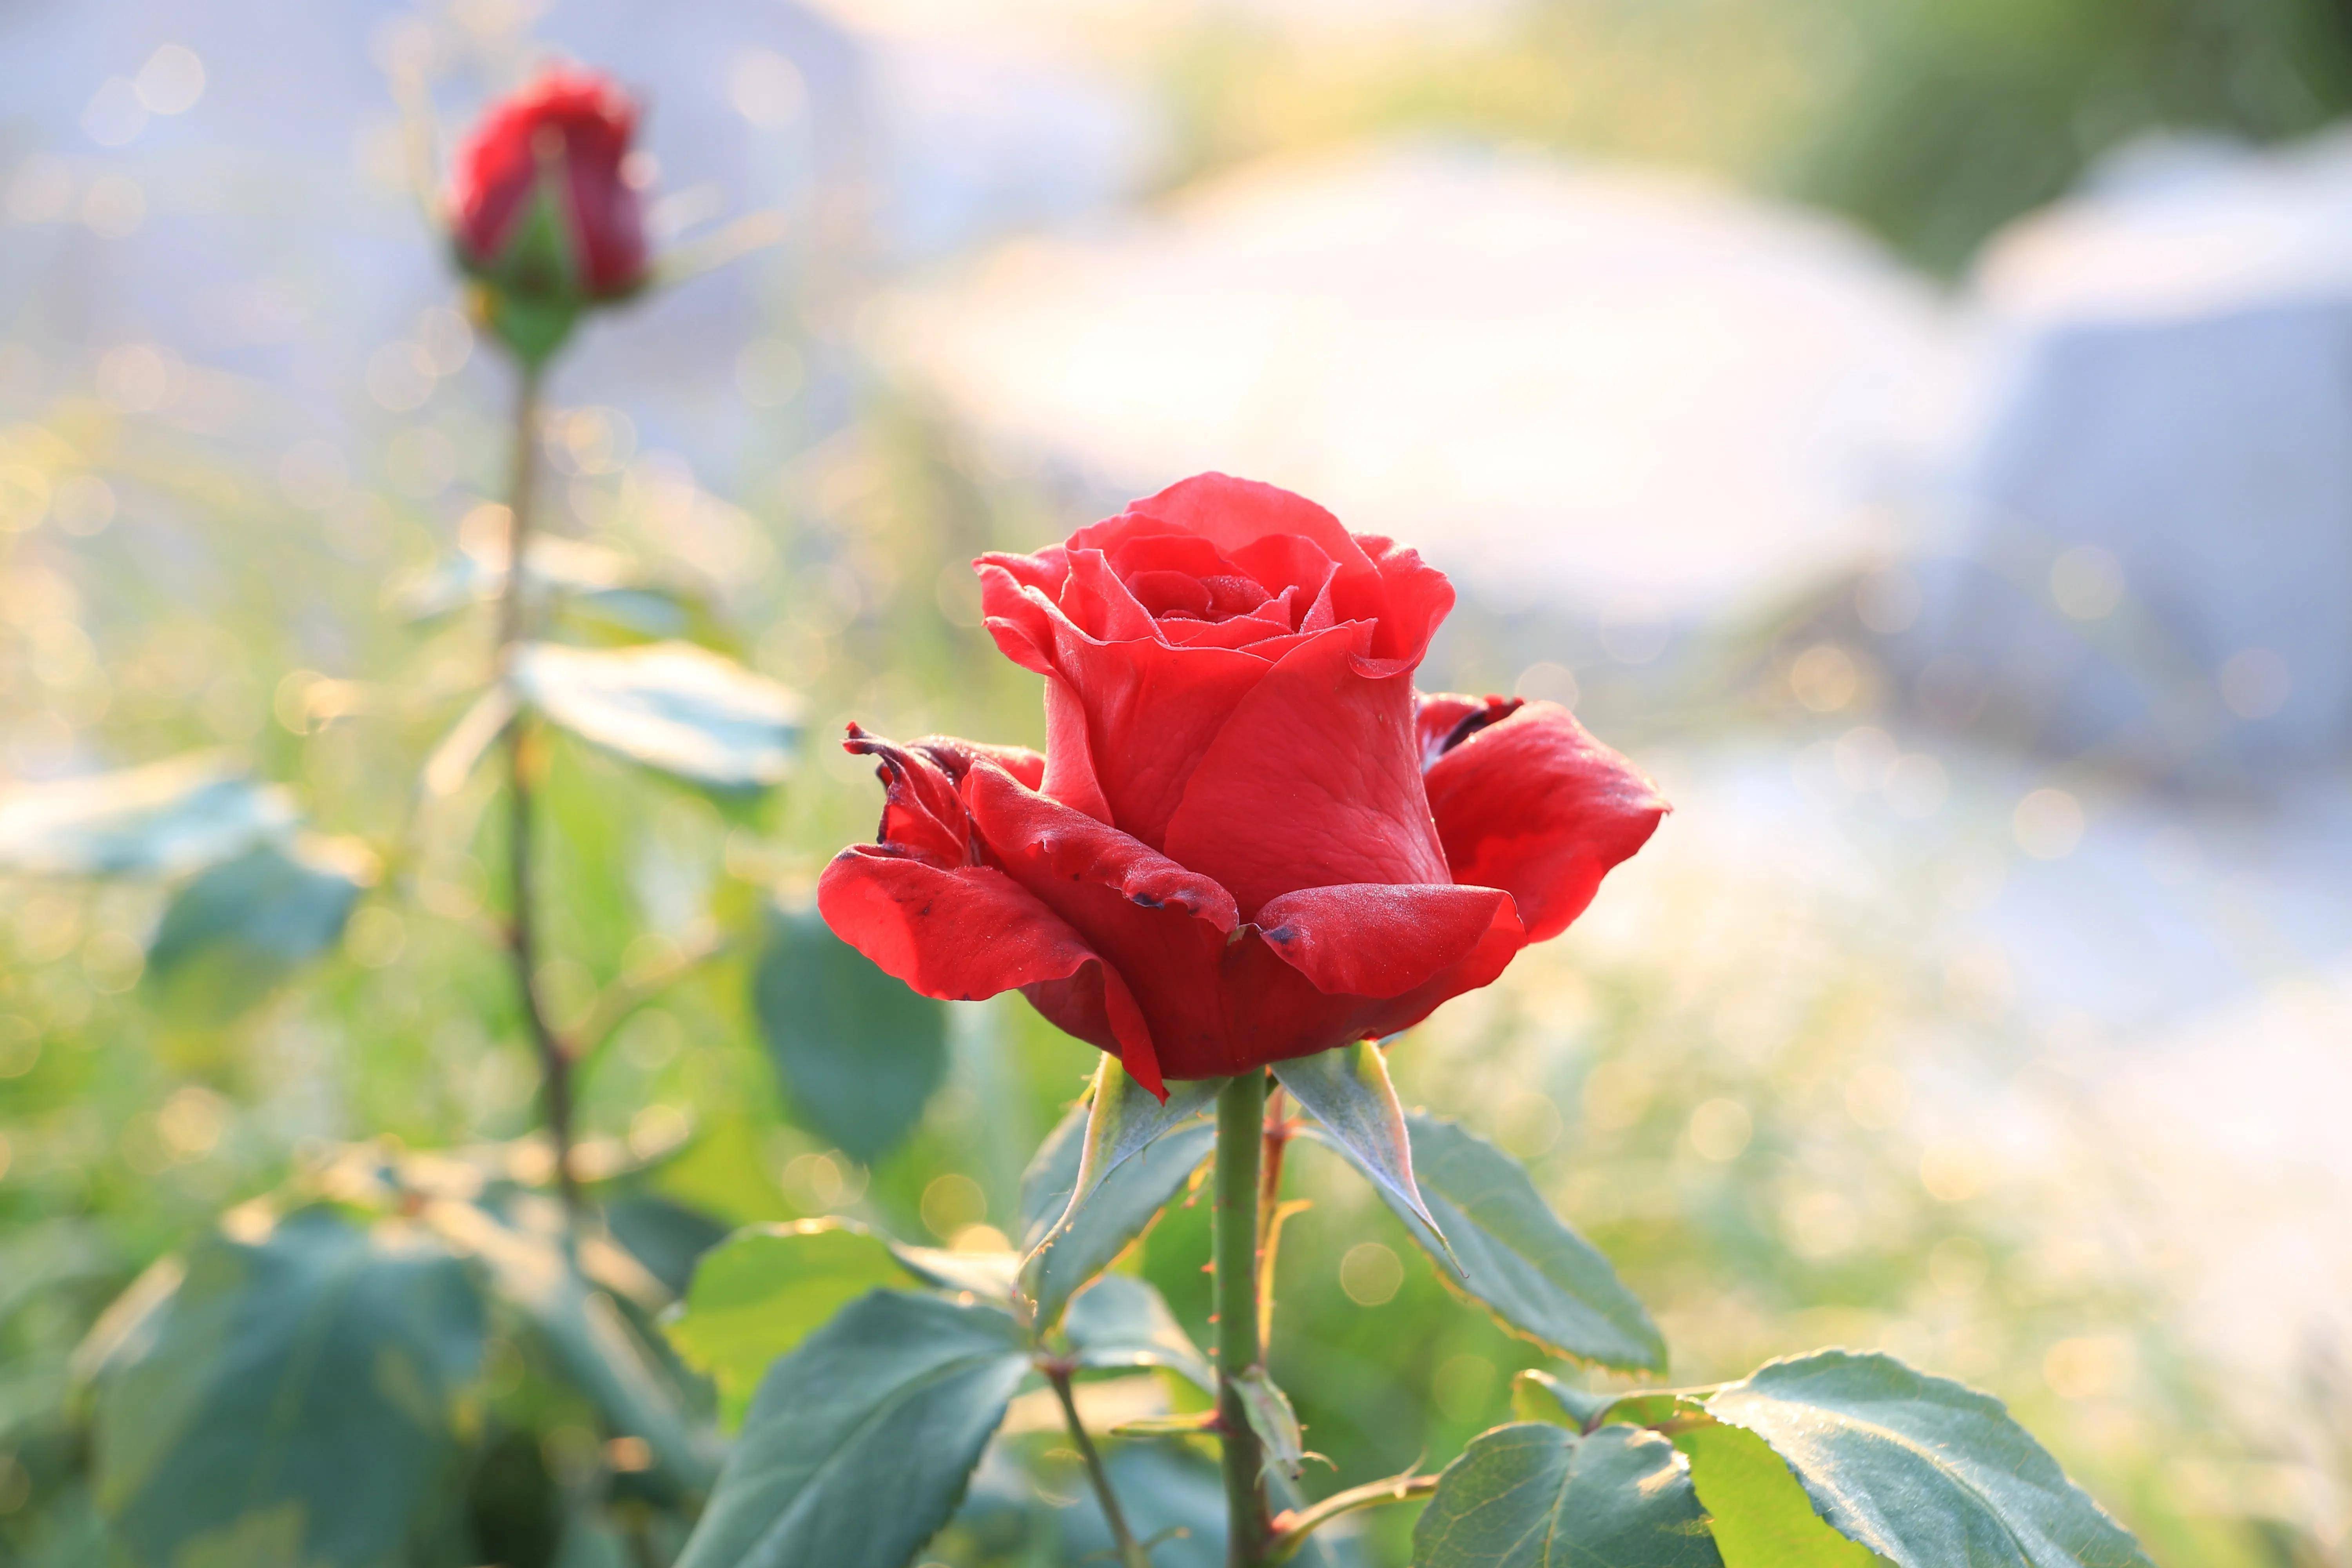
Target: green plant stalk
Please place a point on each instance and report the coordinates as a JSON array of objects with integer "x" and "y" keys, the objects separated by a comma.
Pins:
[
  {"x": 1130, "y": 1552},
  {"x": 522, "y": 924},
  {"x": 1241, "y": 1127}
]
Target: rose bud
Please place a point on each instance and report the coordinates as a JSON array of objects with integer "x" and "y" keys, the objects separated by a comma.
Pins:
[
  {"x": 544, "y": 215},
  {"x": 1249, "y": 838}
]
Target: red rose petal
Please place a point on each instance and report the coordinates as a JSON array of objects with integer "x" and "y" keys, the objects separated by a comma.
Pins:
[
  {"x": 964, "y": 933},
  {"x": 1535, "y": 805},
  {"x": 1313, "y": 781},
  {"x": 1380, "y": 941}
]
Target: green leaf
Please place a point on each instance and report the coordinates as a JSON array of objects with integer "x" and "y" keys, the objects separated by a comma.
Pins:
[
  {"x": 1122, "y": 1120},
  {"x": 860, "y": 1443},
  {"x": 236, "y": 930},
  {"x": 1923, "y": 1471},
  {"x": 1760, "y": 1514},
  {"x": 668, "y": 1239},
  {"x": 292, "y": 1399},
  {"x": 860, "y": 1052},
  {"x": 987, "y": 1275},
  {"x": 758, "y": 1294},
  {"x": 1120, "y": 1321},
  {"x": 1121, "y": 1209},
  {"x": 1534, "y": 1495},
  {"x": 673, "y": 707},
  {"x": 1538, "y": 1278},
  {"x": 1273, "y": 1421},
  {"x": 519, "y": 1238},
  {"x": 165, "y": 819},
  {"x": 1347, "y": 1090},
  {"x": 1540, "y": 1397}
]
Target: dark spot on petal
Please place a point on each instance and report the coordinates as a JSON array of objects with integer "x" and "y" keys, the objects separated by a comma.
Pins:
[
  {"x": 1279, "y": 935},
  {"x": 1146, "y": 901},
  {"x": 1498, "y": 708}
]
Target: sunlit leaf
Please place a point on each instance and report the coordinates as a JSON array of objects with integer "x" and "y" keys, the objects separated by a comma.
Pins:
[
  {"x": 860, "y": 1443},
  {"x": 1516, "y": 1258},
  {"x": 1121, "y": 1209},
  {"x": 758, "y": 1294},
  {"x": 1921, "y": 1470},
  {"x": 293, "y": 1399},
  {"x": 1119, "y": 1321},
  {"x": 673, "y": 706},
  {"x": 236, "y": 930},
  {"x": 860, "y": 1053},
  {"x": 165, "y": 819},
  {"x": 987, "y": 1275},
  {"x": 1347, "y": 1090},
  {"x": 1761, "y": 1516},
  {"x": 585, "y": 583},
  {"x": 1534, "y": 1495}
]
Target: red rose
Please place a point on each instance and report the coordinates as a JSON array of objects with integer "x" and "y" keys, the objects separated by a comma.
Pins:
[
  {"x": 541, "y": 203},
  {"x": 1248, "y": 839}
]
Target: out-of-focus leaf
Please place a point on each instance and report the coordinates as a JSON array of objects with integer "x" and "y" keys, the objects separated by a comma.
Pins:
[
  {"x": 668, "y": 1239},
  {"x": 1119, "y": 1321},
  {"x": 1923, "y": 1471},
  {"x": 164, "y": 819},
  {"x": 1273, "y": 1421},
  {"x": 1347, "y": 1090},
  {"x": 1122, "y": 1208},
  {"x": 1172, "y": 1495},
  {"x": 518, "y": 1238},
  {"x": 860, "y": 1443},
  {"x": 859, "y": 1051},
  {"x": 587, "y": 583},
  {"x": 233, "y": 932},
  {"x": 1538, "y": 1278},
  {"x": 673, "y": 706},
  {"x": 1123, "y": 1120},
  {"x": 1533, "y": 1495},
  {"x": 461, "y": 751},
  {"x": 758, "y": 1294},
  {"x": 1760, "y": 1514},
  {"x": 292, "y": 1400}
]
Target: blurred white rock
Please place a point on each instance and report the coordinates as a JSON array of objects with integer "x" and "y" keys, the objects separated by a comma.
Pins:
[
  {"x": 1571, "y": 384},
  {"x": 2151, "y": 544}
]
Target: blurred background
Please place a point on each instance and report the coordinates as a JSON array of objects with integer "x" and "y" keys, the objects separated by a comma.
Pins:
[{"x": 1920, "y": 435}]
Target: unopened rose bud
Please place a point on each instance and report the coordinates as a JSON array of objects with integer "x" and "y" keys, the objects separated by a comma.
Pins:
[{"x": 544, "y": 215}]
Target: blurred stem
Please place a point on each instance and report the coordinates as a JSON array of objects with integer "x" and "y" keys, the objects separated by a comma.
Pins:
[
  {"x": 1241, "y": 1129},
  {"x": 1130, "y": 1553},
  {"x": 522, "y": 924}
]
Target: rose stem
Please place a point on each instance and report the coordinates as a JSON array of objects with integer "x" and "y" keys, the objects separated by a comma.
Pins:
[
  {"x": 1241, "y": 1125},
  {"x": 1130, "y": 1553},
  {"x": 523, "y": 931}
]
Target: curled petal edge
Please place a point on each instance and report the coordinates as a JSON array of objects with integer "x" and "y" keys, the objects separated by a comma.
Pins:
[{"x": 963, "y": 934}]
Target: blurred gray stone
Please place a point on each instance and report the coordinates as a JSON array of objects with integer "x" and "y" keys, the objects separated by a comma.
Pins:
[{"x": 2152, "y": 554}]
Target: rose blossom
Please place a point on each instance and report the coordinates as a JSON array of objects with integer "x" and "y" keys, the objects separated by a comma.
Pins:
[
  {"x": 565, "y": 137},
  {"x": 1249, "y": 839}
]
